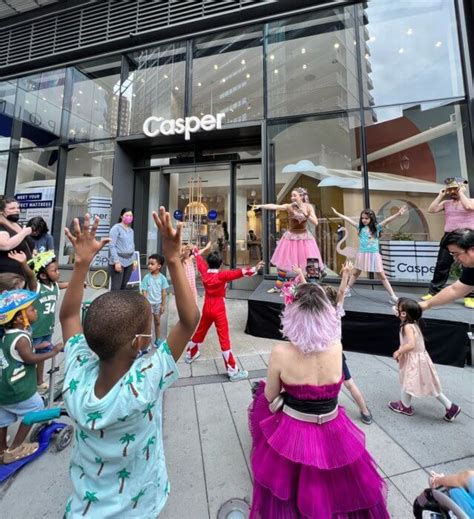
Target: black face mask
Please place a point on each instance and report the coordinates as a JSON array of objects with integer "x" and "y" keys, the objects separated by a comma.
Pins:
[{"x": 13, "y": 218}]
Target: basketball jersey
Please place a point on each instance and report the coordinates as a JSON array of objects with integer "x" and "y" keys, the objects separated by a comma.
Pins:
[
  {"x": 17, "y": 379},
  {"x": 46, "y": 308}
]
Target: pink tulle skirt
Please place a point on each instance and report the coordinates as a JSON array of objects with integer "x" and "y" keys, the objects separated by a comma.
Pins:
[
  {"x": 304, "y": 470},
  {"x": 369, "y": 262},
  {"x": 295, "y": 249}
]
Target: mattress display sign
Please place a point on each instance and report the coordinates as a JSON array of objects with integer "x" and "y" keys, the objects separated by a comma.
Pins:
[
  {"x": 413, "y": 260},
  {"x": 154, "y": 126},
  {"x": 101, "y": 206},
  {"x": 36, "y": 202}
]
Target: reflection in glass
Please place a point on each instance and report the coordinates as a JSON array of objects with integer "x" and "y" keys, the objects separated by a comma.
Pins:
[
  {"x": 248, "y": 227},
  {"x": 411, "y": 151},
  {"x": 36, "y": 183},
  {"x": 39, "y": 105},
  {"x": 200, "y": 198},
  {"x": 227, "y": 75},
  {"x": 311, "y": 63},
  {"x": 420, "y": 60},
  {"x": 3, "y": 171},
  {"x": 7, "y": 108},
  {"x": 88, "y": 190},
  {"x": 95, "y": 100},
  {"x": 155, "y": 86},
  {"x": 318, "y": 155}
]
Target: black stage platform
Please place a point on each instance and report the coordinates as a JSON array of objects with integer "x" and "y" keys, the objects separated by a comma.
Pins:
[{"x": 369, "y": 325}]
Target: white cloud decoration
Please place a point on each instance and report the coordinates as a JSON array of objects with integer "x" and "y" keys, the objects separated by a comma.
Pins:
[{"x": 303, "y": 166}]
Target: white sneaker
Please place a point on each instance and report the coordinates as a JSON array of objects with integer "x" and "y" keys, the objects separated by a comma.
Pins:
[
  {"x": 242, "y": 374},
  {"x": 188, "y": 359},
  {"x": 347, "y": 292}
]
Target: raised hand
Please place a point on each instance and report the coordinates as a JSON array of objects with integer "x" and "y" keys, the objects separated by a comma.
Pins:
[
  {"x": 297, "y": 270},
  {"x": 402, "y": 210},
  {"x": 347, "y": 267},
  {"x": 335, "y": 212},
  {"x": 206, "y": 248},
  {"x": 171, "y": 237},
  {"x": 18, "y": 256},
  {"x": 83, "y": 240}
]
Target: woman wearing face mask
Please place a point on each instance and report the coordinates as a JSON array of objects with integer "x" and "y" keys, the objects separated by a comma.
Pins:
[
  {"x": 122, "y": 249},
  {"x": 12, "y": 236}
]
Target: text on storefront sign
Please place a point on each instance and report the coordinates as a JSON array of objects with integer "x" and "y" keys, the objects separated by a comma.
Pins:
[{"x": 154, "y": 126}]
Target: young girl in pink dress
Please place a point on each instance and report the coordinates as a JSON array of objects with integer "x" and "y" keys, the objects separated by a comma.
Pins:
[
  {"x": 418, "y": 375},
  {"x": 308, "y": 459},
  {"x": 297, "y": 244},
  {"x": 187, "y": 260}
]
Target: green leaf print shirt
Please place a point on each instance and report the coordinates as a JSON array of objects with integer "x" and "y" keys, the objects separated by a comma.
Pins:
[{"x": 118, "y": 465}]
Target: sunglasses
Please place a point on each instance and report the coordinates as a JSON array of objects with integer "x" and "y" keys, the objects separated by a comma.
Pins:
[{"x": 459, "y": 180}]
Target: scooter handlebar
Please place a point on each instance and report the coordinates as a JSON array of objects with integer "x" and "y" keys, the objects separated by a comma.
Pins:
[{"x": 42, "y": 416}]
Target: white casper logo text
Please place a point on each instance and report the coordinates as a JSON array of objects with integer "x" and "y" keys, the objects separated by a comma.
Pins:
[{"x": 154, "y": 126}]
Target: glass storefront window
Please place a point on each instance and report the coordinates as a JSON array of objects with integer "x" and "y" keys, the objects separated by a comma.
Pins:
[
  {"x": 3, "y": 171},
  {"x": 7, "y": 109},
  {"x": 419, "y": 60},
  {"x": 88, "y": 189},
  {"x": 318, "y": 154},
  {"x": 155, "y": 86},
  {"x": 95, "y": 100},
  {"x": 200, "y": 198},
  {"x": 227, "y": 75},
  {"x": 39, "y": 104},
  {"x": 411, "y": 151},
  {"x": 36, "y": 183},
  {"x": 248, "y": 226},
  {"x": 311, "y": 63}
]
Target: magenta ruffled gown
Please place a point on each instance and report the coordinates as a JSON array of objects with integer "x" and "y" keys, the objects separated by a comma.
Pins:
[{"x": 304, "y": 470}]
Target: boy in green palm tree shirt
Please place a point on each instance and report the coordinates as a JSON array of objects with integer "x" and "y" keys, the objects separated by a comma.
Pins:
[{"x": 118, "y": 466}]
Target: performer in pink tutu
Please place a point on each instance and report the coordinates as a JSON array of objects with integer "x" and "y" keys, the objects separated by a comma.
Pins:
[
  {"x": 308, "y": 459},
  {"x": 297, "y": 244}
]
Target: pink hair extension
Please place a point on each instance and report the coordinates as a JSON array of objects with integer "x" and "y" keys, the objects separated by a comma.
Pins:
[{"x": 308, "y": 331}]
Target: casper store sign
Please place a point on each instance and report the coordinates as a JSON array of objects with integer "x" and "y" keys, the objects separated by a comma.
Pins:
[
  {"x": 154, "y": 126},
  {"x": 414, "y": 260}
]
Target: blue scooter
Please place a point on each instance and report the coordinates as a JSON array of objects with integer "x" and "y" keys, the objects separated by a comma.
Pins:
[
  {"x": 46, "y": 430},
  {"x": 49, "y": 430}
]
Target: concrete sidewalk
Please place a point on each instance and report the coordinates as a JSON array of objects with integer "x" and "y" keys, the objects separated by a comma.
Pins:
[{"x": 207, "y": 442}]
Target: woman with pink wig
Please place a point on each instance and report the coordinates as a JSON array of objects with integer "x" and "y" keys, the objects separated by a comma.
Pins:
[
  {"x": 308, "y": 459},
  {"x": 297, "y": 244}
]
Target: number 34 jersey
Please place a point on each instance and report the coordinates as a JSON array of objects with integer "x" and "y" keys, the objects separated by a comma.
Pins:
[{"x": 46, "y": 307}]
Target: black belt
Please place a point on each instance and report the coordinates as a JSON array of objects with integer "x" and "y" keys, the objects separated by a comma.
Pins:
[{"x": 318, "y": 407}]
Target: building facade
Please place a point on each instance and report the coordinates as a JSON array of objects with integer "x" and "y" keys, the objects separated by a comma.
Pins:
[{"x": 365, "y": 104}]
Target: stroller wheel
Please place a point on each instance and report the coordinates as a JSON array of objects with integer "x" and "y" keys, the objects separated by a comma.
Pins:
[
  {"x": 425, "y": 502},
  {"x": 64, "y": 438}
]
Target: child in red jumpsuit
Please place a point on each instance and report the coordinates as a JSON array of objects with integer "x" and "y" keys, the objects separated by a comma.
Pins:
[{"x": 214, "y": 310}]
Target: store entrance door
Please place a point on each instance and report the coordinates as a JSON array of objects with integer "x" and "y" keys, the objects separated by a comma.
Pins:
[{"x": 214, "y": 201}]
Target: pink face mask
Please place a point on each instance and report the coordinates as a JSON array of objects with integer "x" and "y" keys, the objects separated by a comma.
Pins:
[{"x": 127, "y": 219}]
